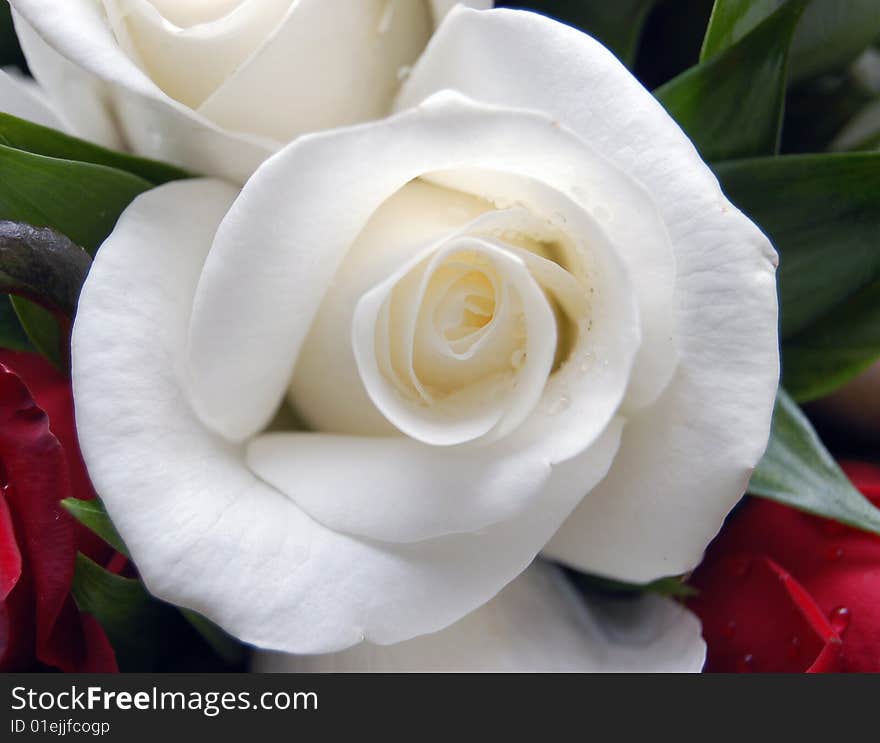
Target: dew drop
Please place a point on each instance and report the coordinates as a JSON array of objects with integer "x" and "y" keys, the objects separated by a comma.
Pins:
[
  {"x": 730, "y": 629},
  {"x": 4, "y": 477},
  {"x": 746, "y": 664},
  {"x": 386, "y": 18},
  {"x": 738, "y": 566},
  {"x": 580, "y": 193},
  {"x": 840, "y": 618},
  {"x": 403, "y": 72},
  {"x": 794, "y": 647},
  {"x": 559, "y": 405},
  {"x": 833, "y": 553}
]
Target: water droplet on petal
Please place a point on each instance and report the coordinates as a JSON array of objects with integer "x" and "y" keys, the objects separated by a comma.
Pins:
[
  {"x": 403, "y": 72},
  {"x": 580, "y": 193},
  {"x": 4, "y": 477},
  {"x": 386, "y": 18},
  {"x": 834, "y": 553},
  {"x": 559, "y": 405},
  {"x": 746, "y": 664},
  {"x": 840, "y": 618},
  {"x": 738, "y": 566},
  {"x": 730, "y": 629},
  {"x": 794, "y": 647}
]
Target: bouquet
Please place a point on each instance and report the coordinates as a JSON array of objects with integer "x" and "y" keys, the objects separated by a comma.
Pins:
[{"x": 430, "y": 336}]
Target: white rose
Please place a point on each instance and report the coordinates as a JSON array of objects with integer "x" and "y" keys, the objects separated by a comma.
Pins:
[
  {"x": 218, "y": 85},
  {"x": 522, "y": 320}
]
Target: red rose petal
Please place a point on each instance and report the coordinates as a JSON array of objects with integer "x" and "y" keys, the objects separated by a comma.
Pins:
[
  {"x": 47, "y": 536},
  {"x": 17, "y": 627},
  {"x": 837, "y": 568},
  {"x": 37, "y": 481},
  {"x": 756, "y": 617},
  {"x": 866, "y": 477},
  {"x": 51, "y": 392},
  {"x": 99, "y": 656},
  {"x": 10, "y": 557}
]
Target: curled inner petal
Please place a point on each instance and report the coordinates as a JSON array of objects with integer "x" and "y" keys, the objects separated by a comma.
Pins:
[
  {"x": 458, "y": 344},
  {"x": 186, "y": 13}
]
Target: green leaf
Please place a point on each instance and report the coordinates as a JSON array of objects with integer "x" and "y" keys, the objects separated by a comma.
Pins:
[
  {"x": 731, "y": 20},
  {"x": 798, "y": 471},
  {"x": 226, "y": 646},
  {"x": 836, "y": 349},
  {"x": 731, "y": 105},
  {"x": 39, "y": 140},
  {"x": 12, "y": 336},
  {"x": 672, "y": 586},
  {"x": 131, "y": 617},
  {"x": 42, "y": 331},
  {"x": 822, "y": 213},
  {"x": 830, "y": 35},
  {"x": 618, "y": 25},
  {"x": 92, "y": 515},
  {"x": 818, "y": 113},
  {"x": 80, "y": 200},
  {"x": 863, "y": 130}
]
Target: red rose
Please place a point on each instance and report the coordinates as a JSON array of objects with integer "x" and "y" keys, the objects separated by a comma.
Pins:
[
  {"x": 40, "y": 465},
  {"x": 781, "y": 591}
]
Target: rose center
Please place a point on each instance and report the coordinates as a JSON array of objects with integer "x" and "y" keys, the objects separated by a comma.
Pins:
[
  {"x": 467, "y": 307},
  {"x": 464, "y": 339}
]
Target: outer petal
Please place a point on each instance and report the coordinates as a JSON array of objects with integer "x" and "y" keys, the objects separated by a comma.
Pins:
[
  {"x": 190, "y": 62},
  {"x": 107, "y": 98},
  {"x": 17, "y": 98},
  {"x": 440, "y": 8},
  {"x": 10, "y": 555},
  {"x": 203, "y": 530},
  {"x": 338, "y": 67},
  {"x": 537, "y": 623},
  {"x": 685, "y": 461}
]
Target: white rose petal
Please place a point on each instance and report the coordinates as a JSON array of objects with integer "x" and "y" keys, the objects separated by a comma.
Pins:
[
  {"x": 519, "y": 308},
  {"x": 538, "y": 623},
  {"x": 218, "y": 86},
  {"x": 22, "y": 99}
]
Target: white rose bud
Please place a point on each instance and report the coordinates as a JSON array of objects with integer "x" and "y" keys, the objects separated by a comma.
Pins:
[
  {"x": 218, "y": 85},
  {"x": 518, "y": 316}
]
